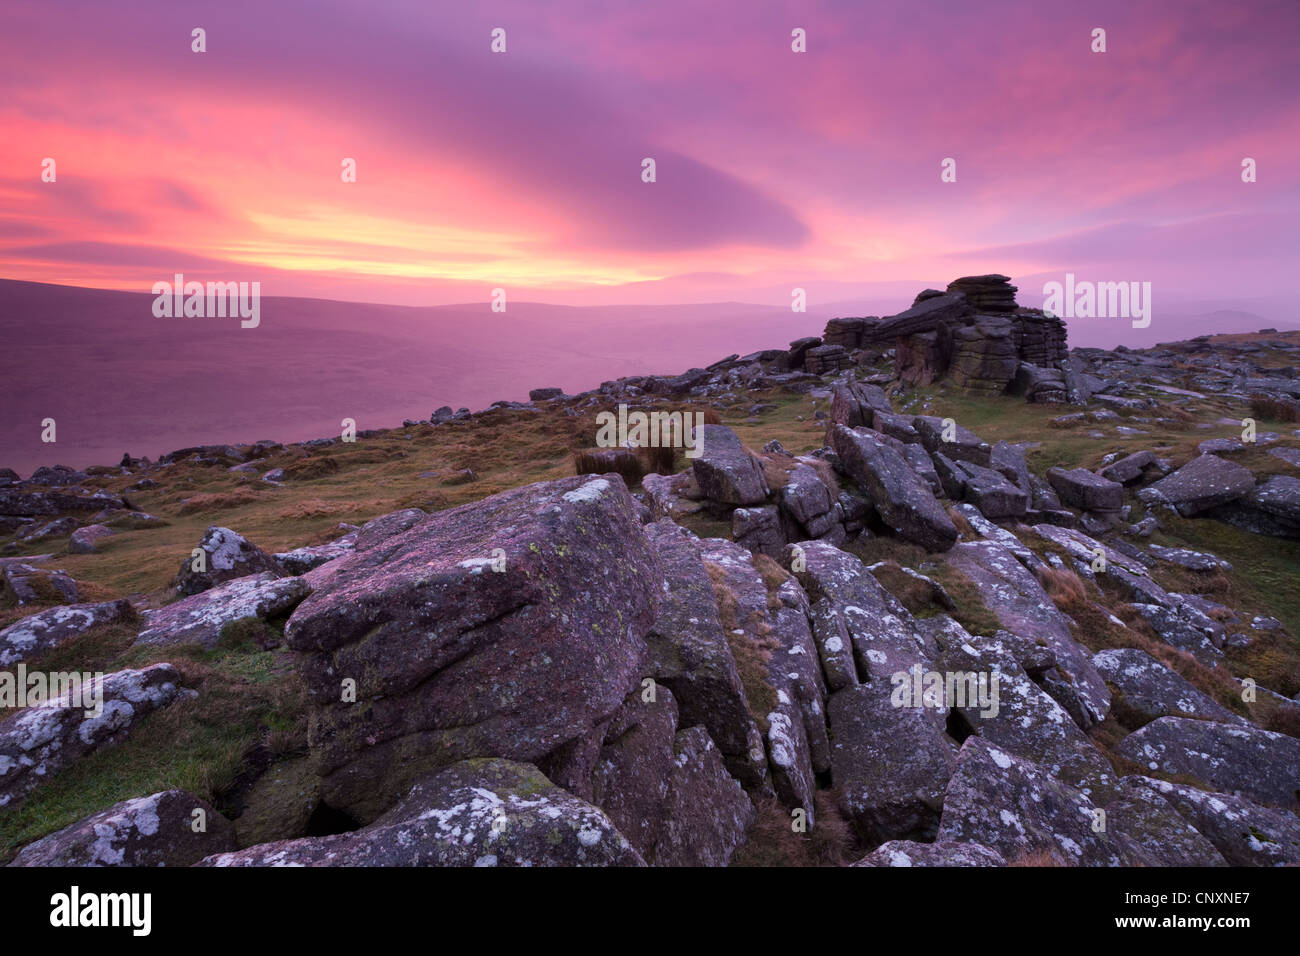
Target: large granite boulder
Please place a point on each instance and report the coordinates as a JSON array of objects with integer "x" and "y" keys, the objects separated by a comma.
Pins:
[
  {"x": 1080, "y": 488},
  {"x": 424, "y": 622},
  {"x": 1022, "y": 607},
  {"x": 855, "y": 404},
  {"x": 1154, "y": 833},
  {"x": 1245, "y": 833},
  {"x": 706, "y": 811},
  {"x": 689, "y": 653},
  {"x": 892, "y": 763}
]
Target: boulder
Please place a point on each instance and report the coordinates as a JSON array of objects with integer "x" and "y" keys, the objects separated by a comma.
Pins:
[
  {"x": 1202, "y": 483},
  {"x": 1154, "y": 833},
  {"x": 1272, "y": 509},
  {"x": 1080, "y": 488},
  {"x": 1018, "y": 808},
  {"x": 706, "y": 812},
  {"x": 689, "y": 653},
  {"x": 486, "y": 812},
  {"x": 157, "y": 830},
  {"x": 34, "y": 636},
  {"x": 201, "y": 618},
  {"x": 25, "y": 583},
  {"x": 1243, "y": 832},
  {"x": 902, "y": 498},
  {"x": 952, "y": 440},
  {"x": 1017, "y": 716},
  {"x": 1144, "y": 689},
  {"x": 1130, "y": 468},
  {"x": 1256, "y": 764},
  {"x": 226, "y": 555},
  {"x": 1022, "y": 607},
  {"x": 891, "y": 763},
  {"x": 83, "y": 540},
  {"x": 423, "y": 621},
  {"x": 853, "y": 614},
  {"x": 855, "y": 403},
  {"x": 724, "y": 470}
]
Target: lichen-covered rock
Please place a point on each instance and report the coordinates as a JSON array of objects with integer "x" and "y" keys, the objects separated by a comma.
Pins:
[
  {"x": 1204, "y": 482},
  {"x": 201, "y": 618},
  {"x": 689, "y": 652},
  {"x": 1272, "y": 509},
  {"x": 452, "y": 658},
  {"x": 725, "y": 471},
  {"x": 85, "y": 539},
  {"x": 1080, "y": 488},
  {"x": 1253, "y": 763},
  {"x": 882, "y": 634},
  {"x": 631, "y": 775},
  {"x": 32, "y": 637},
  {"x": 947, "y": 853},
  {"x": 161, "y": 829},
  {"x": 1022, "y": 607},
  {"x": 943, "y": 436},
  {"x": 1018, "y": 808},
  {"x": 1146, "y": 689},
  {"x": 901, "y": 497},
  {"x": 1018, "y": 716},
  {"x": 1154, "y": 832},
  {"x": 1245, "y": 833},
  {"x": 855, "y": 403},
  {"x": 483, "y": 812},
  {"x": 302, "y": 560},
  {"x": 1130, "y": 468},
  {"x": 892, "y": 763},
  {"x": 226, "y": 555},
  {"x": 706, "y": 813},
  {"x": 37, "y": 743}
]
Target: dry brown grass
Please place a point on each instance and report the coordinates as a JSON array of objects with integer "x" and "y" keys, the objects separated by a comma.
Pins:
[
  {"x": 1037, "y": 858},
  {"x": 1274, "y": 409},
  {"x": 1064, "y": 587},
  {"x": 771, "y": 841}
]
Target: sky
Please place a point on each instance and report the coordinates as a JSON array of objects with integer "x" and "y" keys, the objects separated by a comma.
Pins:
[{"x": 522, "y": 170}]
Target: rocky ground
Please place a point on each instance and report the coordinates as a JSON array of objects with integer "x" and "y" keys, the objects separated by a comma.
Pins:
[{"x": 438, "y": 645}]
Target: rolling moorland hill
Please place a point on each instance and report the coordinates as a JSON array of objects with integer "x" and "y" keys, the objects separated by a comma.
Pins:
[{"x": 478, "y": 639}]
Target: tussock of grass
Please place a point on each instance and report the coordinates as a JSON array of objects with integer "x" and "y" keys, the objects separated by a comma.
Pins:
[{"x": 771, "y": 841}]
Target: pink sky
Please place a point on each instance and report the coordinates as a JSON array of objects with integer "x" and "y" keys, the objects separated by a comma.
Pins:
[{"x": 522, "y": 170}]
